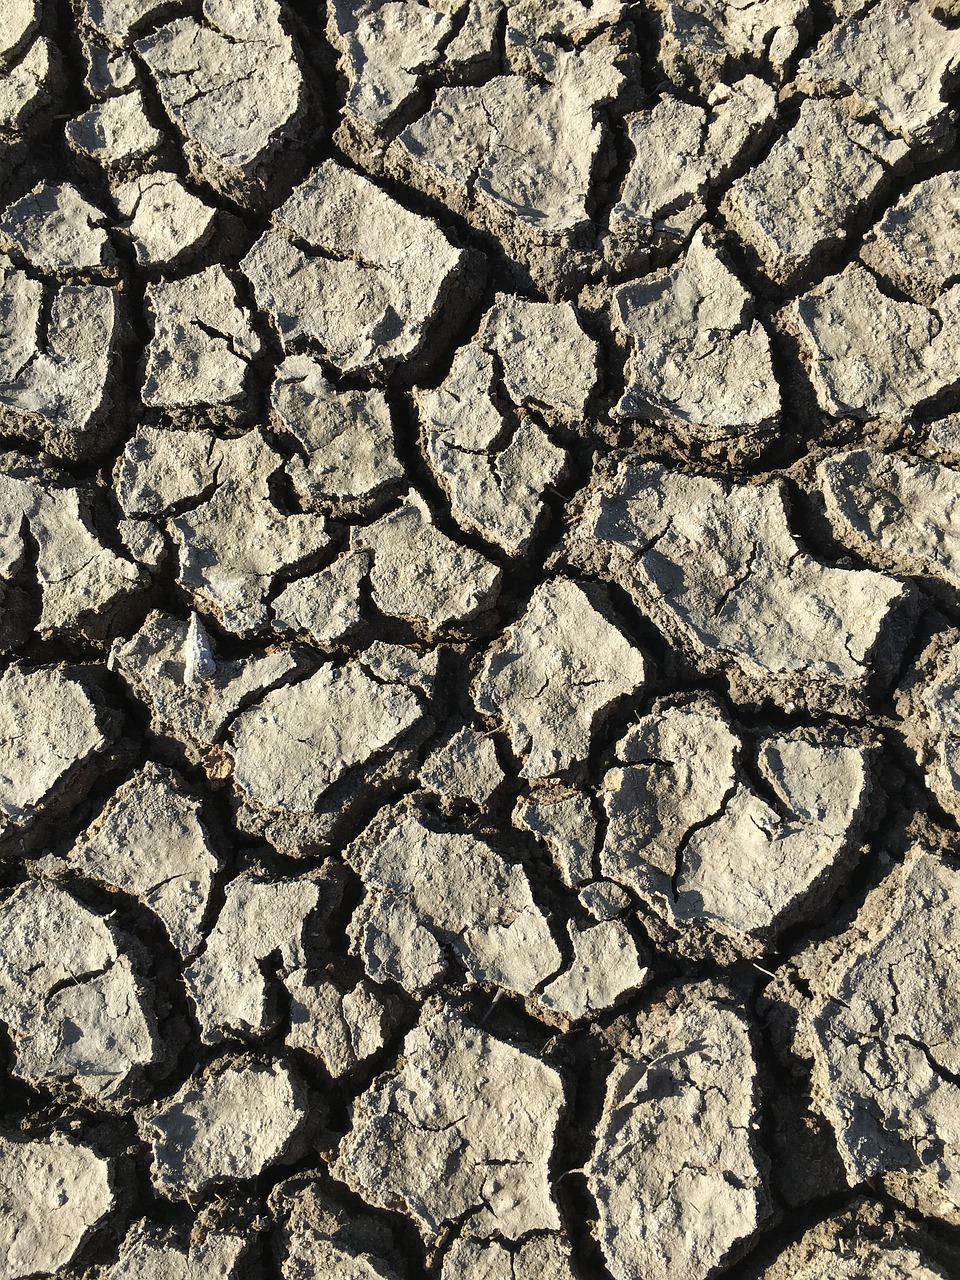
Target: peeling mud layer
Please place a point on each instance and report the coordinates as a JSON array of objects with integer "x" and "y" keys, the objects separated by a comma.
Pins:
[{"x": 479, "y": 640}]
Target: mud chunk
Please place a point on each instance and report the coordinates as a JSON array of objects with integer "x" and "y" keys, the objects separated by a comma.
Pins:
[
  {"x": 713, "y": 563},
  {"x": 420, "y": 574},
  {"x": 900, "y": 513},
  {"x": 385, "y": 49},
  {"x": 869, "y": 354},
  {"x": 18, "y": 24},
  {"x": 680, "y": 152},
  {"x": 324, "y": 607},
  {"x": 73, "y": 1005},
  {"x": 605, "y": 968},
  {"x": 455, "y": 891},
  {"x": 164, "y": 221},
  {"x": 228, "y": 1124},
  {"x": 677, "y": 1172},
  {"x": 883, "y": 1020},
  {"x": 555, "y": 675},
  {"x": 690, "y": 833},
  {"x": 232, "y": 547},
  {"x": 57, "y": 230},
  {"x": 53, "y": 1194},
  {"x": 929, "y": 707},
  {"x": 343, "y": 440},
  {"x": 493, "y": 461},
  {"x": 150, "y": 841},
  {"x": 82, "y": 582},
  {"x": 260, "y": 921},
  {"x": 546, "y": 1257},
  {"x": 116, "y": 134},
  {"x": 301, "y": 753},
  {"x": 702, "y": 40},
  {"x": 565, "y": 822},
  {"x": 895, "y": 61},
  {"x": 347, "y": 268},
  {"x": 340, "y": 1024},
  {"x": 847, "y": 1247},
  {"x": 400, "y": 664},
  {"x": 465, "y": 767},
  {"x": 150, "y": 1253},
  {"x": 53, "y": 737},
  {"x": 517, "y": 156},
  {"x": 162, "y": 470},
  {"x": 317, "y": 1237},
  {"x": 233, "y": 89},
  {"x": 57, "y": 358},
  {"x": 699, "y": 359},
  {"x": 461, "y": 1134},
  {"x": 797, "y": 204},
  {"x": 191, "y": 700},
  {"x": 114, "y": 19},
  {"x": 914, "y": 244},
  {"x": 202, "y": 343}
]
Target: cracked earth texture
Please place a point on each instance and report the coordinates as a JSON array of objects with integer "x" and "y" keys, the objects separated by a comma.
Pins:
[{"x": 479, "y": 639}]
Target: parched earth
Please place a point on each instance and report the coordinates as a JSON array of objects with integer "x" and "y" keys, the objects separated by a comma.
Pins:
[{"x": 480, "y": 631}]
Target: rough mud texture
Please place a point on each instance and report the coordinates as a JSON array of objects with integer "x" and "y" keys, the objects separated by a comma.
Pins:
[{"x": 479, "y": 640}]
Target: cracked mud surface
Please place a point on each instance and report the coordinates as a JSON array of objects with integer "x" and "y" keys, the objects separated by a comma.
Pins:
[{"x": 479, "y": 640}]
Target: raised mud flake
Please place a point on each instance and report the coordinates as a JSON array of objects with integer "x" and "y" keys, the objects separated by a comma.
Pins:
[
  {"x": 702, "y": 40},
  {"x": 54, "y": 735},
  {"x": 544, "y": 1257},
  {"x": 324, "y": 607},
  {"x": 164, "y": 221},
  {"x": 797, "y": 204},
  {"x": 151, "y": 1253},
  {"x": 385, "y": 50},
  {"x": 717, "y": 566},
  {"x": 57, "y": 364},
  {"x": 517, "y": 156},
  {"x": 493, "y": 461},
  {"x": 680, "y": 152},
  {"x": 28, "y": 90},
  {"x": 882, "y": 1024},
  {"x": 57, "y": 231},
  {"x": 929, "y": 708},
  {"x": 115, "y": 134},
  {"x": 700, "y": 360},
  {"x": 307, "y": 752},
  {"x": 346, "y": 268},
  {"x": 461, "y": 1134},
  {"x": 192, "y": 695},
  {"x": 429, "y": 889},
  {"x": 202, "y": 344},
  {"x": 677, "y": 1172},
  {"x": 914, "y": 244},
  {"x": 420, "y": 574},
  {"x": 232, "y": 547},
  {"x": 17, "y": 26},
  {"x": 82, "y": 582},
  {"x": 870, "y": 354},
  {"x": 896, "y": 61},
  {"x": 344, "y": 454},
  {"x": 150, "y": 841},
  {"x": 53, "y": 1195},
  {"x": 232, "y": 87},
  {"x": 701, "y": 843},
  {"x": 261, "y": 922},
  {"x": 554, "y": 676},
  {"x": 605, "y": 969},
  {"x": 341, "y": 1024},
  {"x": 899, "y": 512},
  {"x": 318, "y": 1237},
  {"x": 227, "y": 1124},
  {"x": 75, "y": 1008},
  {"x": 853, "y": 1244},
  {"x": 464, "y": 768},
  {"x": 564, "y": 820}
]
